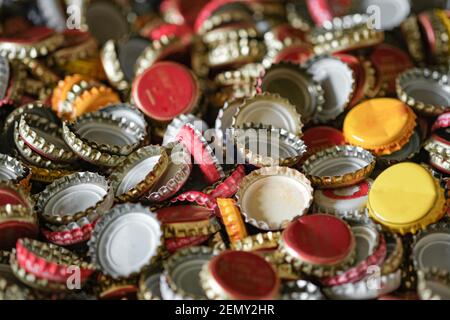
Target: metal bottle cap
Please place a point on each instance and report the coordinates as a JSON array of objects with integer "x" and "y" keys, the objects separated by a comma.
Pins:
[
  {"x": 271, "y": 197},
  {"x": 125, "y": 240}
]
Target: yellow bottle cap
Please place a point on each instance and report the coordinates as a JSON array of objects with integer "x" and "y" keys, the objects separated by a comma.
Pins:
[
  {"x": 380, "y": 125},
  {"x": 406, "y": 198}
]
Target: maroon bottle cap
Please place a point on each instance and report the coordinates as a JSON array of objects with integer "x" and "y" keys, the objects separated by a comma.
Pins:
[
  {"x": 390, "y": 62},
  {"x": 244, "y": 276},
  {"x": 319, "y": 239},
  {"x": 30, "y": 35},
  {"x": 296, "y": 53},
  {"x": 322, "y": 137},
  {"x": 165, "y": 90},
  {"x": 183, "y": 213}
]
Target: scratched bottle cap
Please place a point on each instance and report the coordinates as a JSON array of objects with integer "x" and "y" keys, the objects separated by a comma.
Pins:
[
  {"x": 271, "y": 110},
  {"x": 341, "y": 201},
  {"x": 296, "y": 85},
  {"x": 426, "y": 91},
  {"x": 163, "y": 98},
  {"x": 181, "y": 280},
  {"x": 338, "y": 82},
  {"x": 80, "y": 195},
  {"x": 339, "y": 166},
  {"x": 404, "y": 182},
  {"x": 429, "y": 247},
  {"x": 271, "y": 197},
  {"x": 239, "y": 275},
  {"x": 125, "y": 240},
  {"x": 323, "y": 260}
]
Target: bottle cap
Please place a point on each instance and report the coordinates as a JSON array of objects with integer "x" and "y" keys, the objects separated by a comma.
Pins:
[
  {"x": 433, "y": 284},
  {"x": 394, "y": 253},
  {"x": 430, "y": 246},
  {"x": 409, "y": 151},
  {"x": 346, "y": 33},
  {"x": 380, "y": 125},
  {"x": 106, "y": 133},
  {"x": 125, "y": 240},
  {"x": 342, "y": 201},
  {"x": 139, "y": 173},
  {"x": 267, "y": 147},
  {"x": 178, "y": 123},
  {"x": 106, "y": 20},
  {"x": 300, "y": 290},
  {"x": 227, "y": 187},
  {"x": 149, "y": 288},
  {"x": 181, "y": 280},
  {"x": 322, "y": 137},
  {"x": 295, "y": 84},
  {"x": 269, "y": 198},
  {"x": 202, "y": 153},
  {"x": 339, "y": 166},
  {"x": 31, "y": 43},
  {"x": 181, "y": 221},
  {"x": 127, "y": 111},
  {"x": 50, "y": 262},
  {"x": 370, "y": 251},
  {"x": 231, "y": 217},
  {"x": 45, "y": 138},
  {"x": 390, "y": 62},
  {"x": 337, "y": 249},
  {"x": 426, "y": 91},
  {"x": 406, "y": 198},
  {"x": 71, "y": 198},
  {"x": 271, "y": 110},
  {"x": 163, "y": 98},
  {"x": 176, "y": 175},
  {"x": 338, "y": 82},
  {"x": 239, "y": 275},
  {"x": 11, "y": 169}
]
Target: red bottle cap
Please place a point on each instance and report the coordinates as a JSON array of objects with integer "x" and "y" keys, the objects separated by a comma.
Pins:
[
  {"x": 31, "y": 35},
  {"x": 175, "y": 244},
  {"x": 319, "y": 239},
  {"x": 183, "y": 213},
  {"x": 322, "y": 137},
  {"x": 297, "y": 53},
  {"x": 244, "y": 275},
  {"x": 390, "y": 62},
  {"x": 165, "y": 90}
]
